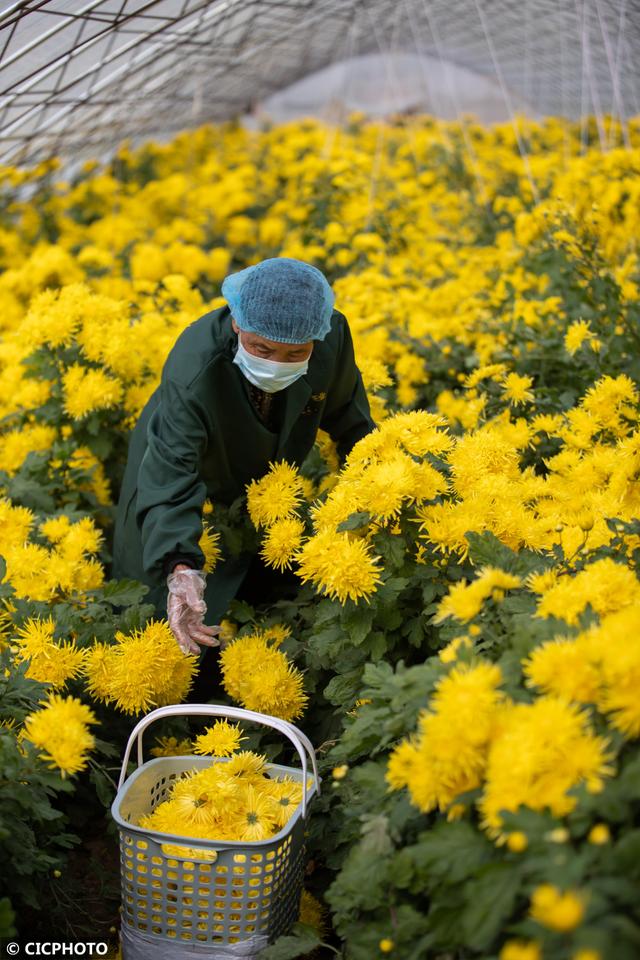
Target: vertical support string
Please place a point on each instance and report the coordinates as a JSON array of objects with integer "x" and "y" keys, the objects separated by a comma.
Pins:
[
  {"x": 445, "y": 64},
  {"x": 380, "y": 137},
  {"x": 430, "y": 98},
  {"x": 593, "y": 87},
  {"x": 614, "y": 71},
  {"x": 508, "y": 102},
  {"x": 349, "y": 49},
  {"x": 583, "y": 46}
]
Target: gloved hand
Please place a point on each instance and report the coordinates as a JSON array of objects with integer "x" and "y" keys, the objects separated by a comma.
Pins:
[{"x": 186, "y": 609}]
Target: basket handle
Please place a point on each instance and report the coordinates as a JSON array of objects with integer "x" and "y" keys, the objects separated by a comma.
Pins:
[{"x": 297, "y": 737}]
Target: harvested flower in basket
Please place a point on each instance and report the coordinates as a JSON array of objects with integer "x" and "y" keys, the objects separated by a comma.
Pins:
[{"x": 233, "y": 799}]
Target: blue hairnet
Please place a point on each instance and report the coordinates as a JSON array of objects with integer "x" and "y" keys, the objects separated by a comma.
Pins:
[{"x": 281, "y": 299}]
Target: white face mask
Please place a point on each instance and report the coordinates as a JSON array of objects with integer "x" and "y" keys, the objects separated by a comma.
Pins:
[{"x": 269, "y": 375}]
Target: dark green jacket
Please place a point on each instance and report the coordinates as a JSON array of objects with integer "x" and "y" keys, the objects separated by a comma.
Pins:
[{"x": 199, "y": 436}]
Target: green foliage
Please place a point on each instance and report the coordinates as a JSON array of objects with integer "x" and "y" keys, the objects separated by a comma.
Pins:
[
  {"x": 302, "y": 940},
  {"x": 33, "y": 834},
  {"x": 42, "y": 815},
  {"x": 7, "y": 918}
]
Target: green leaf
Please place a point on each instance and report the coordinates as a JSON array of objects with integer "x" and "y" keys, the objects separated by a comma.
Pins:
[
  {"x": 375, "y": 835},
  {"x": 627, "y": 854},
  {"x": 327, "y": 641},
  {"x": 31, "y": 493},
  {"x": 343, "y": 689},
  {"x": 388, "y": 591},
  {"x": 357, "y": 623},
  {"x": 449, "y": 853},
  {"x": 105, "y": 791},
  {"x": 391, "y": 548},
  {"x": 122, "y": 593},
  {"x": 302, "y": 940},
  {"x": 486, "y": 550},
  {"x": 354, "y": 521},
  {"x": 241, "y": 611},
  {"x": 232, "y": 537},
  {"x": 429, "y": 592},
  {"x": 377, "y": 645},
  {"x": 414, "y": 631},
  {"x": 491, "y": 898},
  {"x": 444, "y": 921},
  {"x": 389, "y": 617},
  {"x": 520, "y": 603}
]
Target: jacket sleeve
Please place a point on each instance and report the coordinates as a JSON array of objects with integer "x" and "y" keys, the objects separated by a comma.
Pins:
[
  {"x": 346, "y": 416},
  {"x": 170, "y": 490}
]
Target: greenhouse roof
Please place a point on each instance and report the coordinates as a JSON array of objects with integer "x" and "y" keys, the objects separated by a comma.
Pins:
[{"x": 76, "y": 78}]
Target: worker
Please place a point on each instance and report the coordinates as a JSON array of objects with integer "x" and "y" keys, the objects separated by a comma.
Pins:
[{"x": 247, "y": 384}]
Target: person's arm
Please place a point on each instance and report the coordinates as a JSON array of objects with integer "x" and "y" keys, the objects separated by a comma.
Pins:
[
  {"x": 347, "y": 417},
  {"x": 171, "y": 492}
]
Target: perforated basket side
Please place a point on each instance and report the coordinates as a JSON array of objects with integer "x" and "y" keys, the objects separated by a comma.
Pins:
[{"x": 217, "y": 892}]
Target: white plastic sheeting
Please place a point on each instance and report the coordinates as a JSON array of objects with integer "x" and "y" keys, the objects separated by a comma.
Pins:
[{"x": 76, "y": 77}]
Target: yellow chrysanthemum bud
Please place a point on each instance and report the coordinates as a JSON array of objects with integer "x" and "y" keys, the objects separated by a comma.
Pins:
[
  {"x": 228, "y": 631},
  {"x": 517, "y": 841},
  {"x": 520, "y": 950},
  {"x": 559, "y": 835},
  {"x": 599, "y": 834}
]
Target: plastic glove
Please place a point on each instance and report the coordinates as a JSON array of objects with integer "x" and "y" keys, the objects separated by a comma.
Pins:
[{"x": 186, "y": 609}]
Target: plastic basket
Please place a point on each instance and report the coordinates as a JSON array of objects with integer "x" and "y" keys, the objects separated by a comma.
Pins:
[{"x": 203, "y": 897}]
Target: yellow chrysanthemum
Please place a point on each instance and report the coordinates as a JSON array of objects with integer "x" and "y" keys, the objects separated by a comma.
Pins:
[
  {"x": 87, "y": 389},
  {"x": 221, "y": 740},
  {"x": 464, "y": 601},
  {"x": 261, "y": 677},
  {"x": 604, "y": 585},
  {"x": 516, "y": 388},
  {"x": 255, "y": 820},
  {"x": 340, "y": 566},
  {"x": 171, "y": 747},
  {"x": 50, "y": 661},
  {"x": 557, "y": 910},
  {"x": 281, "y": 542},
  {"x": 245, "y": 766},
  {"x": 577, "y": 333},
  {"x": 313, "y": 913},
  {"x": 143, "y": 669},
  {"x": 521, "y": 950},
  {"x": 448, "y": 755},
  {"x": 209, "y": 543},
  {"x": 540, "y": 751},
  {"x": 286, "y": 795},
  {"x": 61, "y": 730},
  {"x": 563, "y": 667},
  {"x": 276, "y": 496}
]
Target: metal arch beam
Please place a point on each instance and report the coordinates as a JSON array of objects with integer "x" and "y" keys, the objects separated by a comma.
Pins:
[
  {"x": 51, "y": 33},
  {"x": 43, "y": 72},
  {"x": 146, "y": 57},
  {"x": 140, "y": 60},
  {"x": 108, "y": 80}
]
